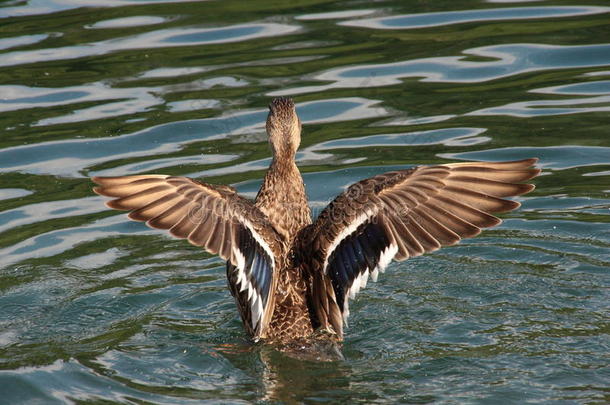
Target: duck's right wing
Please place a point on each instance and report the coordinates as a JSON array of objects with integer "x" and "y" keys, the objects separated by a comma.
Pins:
[
  {"x": 398, "y": 215},
  {"x": 215, "y": 218}
]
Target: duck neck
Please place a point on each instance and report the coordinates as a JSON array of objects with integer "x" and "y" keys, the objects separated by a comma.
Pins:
[
  {"x": 282, "y": 196},
  {"x": 283, "y": 165}
]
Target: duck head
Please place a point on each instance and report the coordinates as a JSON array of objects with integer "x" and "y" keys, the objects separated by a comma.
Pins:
[{"x": 283, "y": 127}]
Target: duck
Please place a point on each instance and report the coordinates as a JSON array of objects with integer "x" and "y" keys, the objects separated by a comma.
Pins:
[{"x": 292, "y": 276}]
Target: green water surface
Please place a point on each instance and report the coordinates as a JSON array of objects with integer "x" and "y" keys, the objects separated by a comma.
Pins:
[{"x": 96, "y": 309}]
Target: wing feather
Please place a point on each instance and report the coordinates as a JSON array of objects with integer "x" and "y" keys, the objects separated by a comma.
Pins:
[
  {"x": 218, "y": 220},
  {"x": 480, "y": 201},
  {"x": 438, "y": 230},
  {"x": 403, "y": 214}
]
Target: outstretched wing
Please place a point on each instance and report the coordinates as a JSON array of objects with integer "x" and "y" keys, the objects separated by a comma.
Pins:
[
  {"x": 215, "y": 218},
  {"x": 398, "y": 215}
]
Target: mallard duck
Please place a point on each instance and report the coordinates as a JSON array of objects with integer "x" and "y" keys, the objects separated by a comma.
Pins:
[{"x": 291, "y": 277}]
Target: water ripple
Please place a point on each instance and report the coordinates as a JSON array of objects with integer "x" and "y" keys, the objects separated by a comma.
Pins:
[
  {"x": 14, "y": 42},
  {"x": 426, "y": 20},
  {"x": 31, "y": 213},
  {"x": 97, "y": 308},
  {"x": 506, "y": 60},
  {"x": 535, "y": 108},
  {"x": 152, "y": 165},
  {"x": 9, "y": 193},
  {"x": 588, "y": 88},
  {"x": 36, "y": 7},
  {"x": 70, "y": 157},
  {"x": 332, "y": 15},
  {"x": 151, "y": 40},
  {"x": 57, "y": 241},
  {"x": 551, "y": 157},
  {"x": 135, "y": 21},
  {"x": 445, "y": 136},
  {"x": 112, "y": 102}
]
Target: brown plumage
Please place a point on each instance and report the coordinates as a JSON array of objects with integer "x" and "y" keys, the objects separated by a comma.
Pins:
[{"x": 291, "y": 277}]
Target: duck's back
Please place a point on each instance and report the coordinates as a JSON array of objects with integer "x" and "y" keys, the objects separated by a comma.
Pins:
[{"x": 283, "y": 200}]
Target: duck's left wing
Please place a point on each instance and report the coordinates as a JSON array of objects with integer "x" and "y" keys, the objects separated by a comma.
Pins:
[
  {"x": 398, "y": 215},
  {"x": 215, "y": 218}
]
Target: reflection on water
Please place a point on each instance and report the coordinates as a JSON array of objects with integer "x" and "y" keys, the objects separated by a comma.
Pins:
[
  {"x": 154, "y": 39},
  {"x": 425, "y": 20},
  {"x": 68, "y": 157},
  {"x": 96, "y": 308},
  {"x": 524, "y": 109},
  {"x": 127, "y": 22},
  {"x": 506, "y": 60},
  {"x": 552, "y": 157}
]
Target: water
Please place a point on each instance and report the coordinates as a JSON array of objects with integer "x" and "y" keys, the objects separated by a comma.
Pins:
[{"x": 95, "y": 308}]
